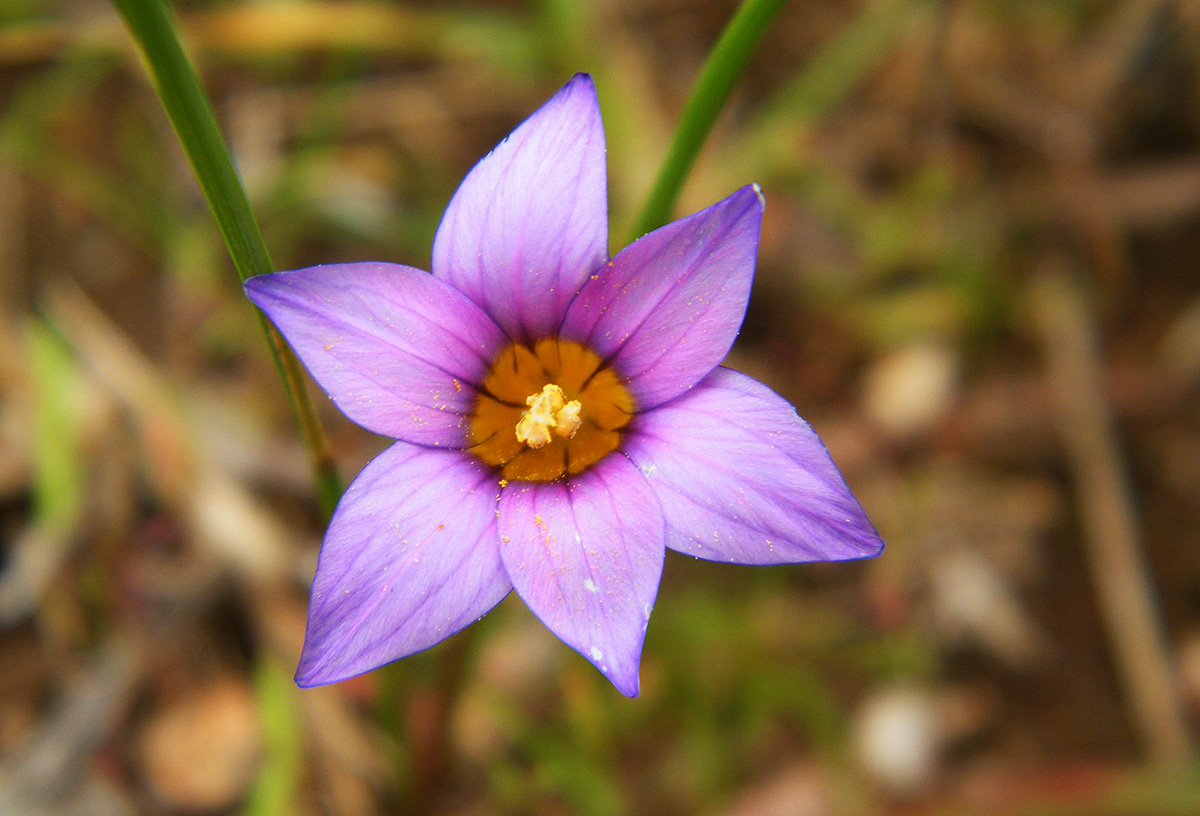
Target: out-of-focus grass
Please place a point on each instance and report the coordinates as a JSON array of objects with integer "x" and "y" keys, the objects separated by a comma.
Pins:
[
  {"x": 59, "y": 488},
  {"x": 352, "y": 124},
  {"x": 734, "y": 674},
  {"x": 34, "y": 111},
  {"x": 276, "y": 786}
]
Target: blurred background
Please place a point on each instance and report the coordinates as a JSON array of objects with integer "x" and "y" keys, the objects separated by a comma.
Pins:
[{"x": 977, "y": 280}]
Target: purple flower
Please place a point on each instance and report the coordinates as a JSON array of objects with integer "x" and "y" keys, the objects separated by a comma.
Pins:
[{"x": 560, "y": 418}]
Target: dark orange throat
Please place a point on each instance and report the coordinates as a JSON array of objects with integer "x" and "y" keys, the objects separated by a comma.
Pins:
[{"x": 536, "y": 433}]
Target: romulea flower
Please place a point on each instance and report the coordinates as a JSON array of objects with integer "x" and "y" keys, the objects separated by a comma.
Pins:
[{"x": 561, "y": 418}]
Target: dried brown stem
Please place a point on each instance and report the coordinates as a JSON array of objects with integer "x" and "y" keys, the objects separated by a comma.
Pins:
[{"x": 1109, "y": 519}]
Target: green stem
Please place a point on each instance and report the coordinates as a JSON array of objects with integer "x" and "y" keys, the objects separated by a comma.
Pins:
[
  {"x": 180, "y": 92},
  {"x": 725, "y": 64}
]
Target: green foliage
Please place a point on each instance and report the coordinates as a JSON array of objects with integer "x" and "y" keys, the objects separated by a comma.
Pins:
[
  {"x": 725, "y": 65},
  {"x": 180, "y": 92},
  {"x": 278, "y": 780},
  {"x": 59, "y": 482}
]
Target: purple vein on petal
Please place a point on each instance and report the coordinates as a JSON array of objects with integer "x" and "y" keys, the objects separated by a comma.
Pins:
[
  {"x": 410, "y": 557},
  {"x": 667, "y": 308}
]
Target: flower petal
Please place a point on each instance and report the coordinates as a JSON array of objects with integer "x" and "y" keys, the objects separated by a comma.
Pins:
[
  {"x": 667, "y": 308},
  {"x": 398, "y": 350},
  {"x": 410, "y": 558},
  {"x": 530, "y": 221},
  {"x": 586, "y": 556},
  {"x": 743, "y": 479}
]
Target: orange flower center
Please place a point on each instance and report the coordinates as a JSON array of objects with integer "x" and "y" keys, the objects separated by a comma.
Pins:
[{"x": 548, "y": 411}]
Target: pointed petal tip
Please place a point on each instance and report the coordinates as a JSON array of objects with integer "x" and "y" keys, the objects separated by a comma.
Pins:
[
  {"x": 586, "y": 558},
  {"x": 860, "y": 540},
  {"x": 263, "y": 290},
  {"x": 867, "y": 547},
  {"x": 317, "y": 668},
  {"x": 793, "y": 505},
  {"x": 529, "y": 223},
  {"x": 390, "y": 344},
  {"x": 255, "y": 287},
  {"x": 280, "y": 277},
  {"x": 309, "y": 677},
  {"x": 629, "y": 687},
  {"x": 578, "y": 94},
  {"x": 667, "y": 308},
  {"x": 750, "y": 196},
  {"x": 323, "y": 675},
  {"x": 762, "y": 199},
  {"x": 868, "y": 543}
]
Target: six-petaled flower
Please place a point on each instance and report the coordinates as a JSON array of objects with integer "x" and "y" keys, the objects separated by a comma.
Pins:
[{"x": 560, "y": 418}]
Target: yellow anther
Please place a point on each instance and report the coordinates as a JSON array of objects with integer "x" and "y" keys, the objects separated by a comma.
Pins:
[
  {"x": 548, "y": 409},
  {"x": 548, "y": 435},
  {"x": 567, "y": 420}
]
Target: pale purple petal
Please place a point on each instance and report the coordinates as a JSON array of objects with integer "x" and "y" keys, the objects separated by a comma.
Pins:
[
  {"x": 667, "y": 308},
  {"x": 586, "y": 556},
  {"x": 411, "y": 557},
  {"x": 741, "y": 478},
  {"x": 399, "y": 351},
  {"x": 530, "y": 221}
]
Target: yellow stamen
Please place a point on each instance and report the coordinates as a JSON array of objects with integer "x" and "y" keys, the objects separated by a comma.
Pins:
[
  {"x": 567, "y": 420},
  {"x": 557, "y": 394},
  {"x": 548, "y": 409}
]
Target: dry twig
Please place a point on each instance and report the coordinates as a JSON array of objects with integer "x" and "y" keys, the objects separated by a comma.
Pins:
[{"x": 1109, "y": 519}]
